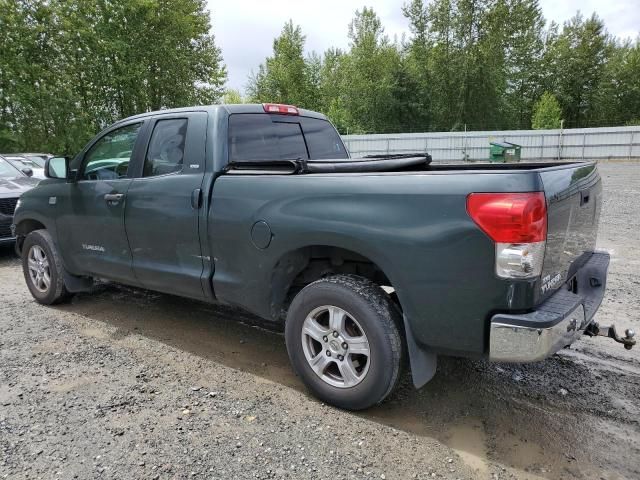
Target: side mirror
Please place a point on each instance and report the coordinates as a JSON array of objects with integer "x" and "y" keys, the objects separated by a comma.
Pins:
[
  {"x": 57, "y": 167},
  {"x": 27, "y": 171}
]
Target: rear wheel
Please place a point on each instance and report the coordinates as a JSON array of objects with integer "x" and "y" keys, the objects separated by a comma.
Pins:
[
  {"x": 42, "y": 268},
  {"x": 344, "y": 341}
]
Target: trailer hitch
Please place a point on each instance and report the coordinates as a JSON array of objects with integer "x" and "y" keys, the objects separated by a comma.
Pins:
[{"x": 594, "y": 330}]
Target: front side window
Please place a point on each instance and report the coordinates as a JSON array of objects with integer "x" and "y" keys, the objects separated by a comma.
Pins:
[
  {"x": 166, "y": 148},
  {"x": 109, "y": 157}
]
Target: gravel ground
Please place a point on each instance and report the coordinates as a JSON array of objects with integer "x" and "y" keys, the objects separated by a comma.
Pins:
[{"x": 125, "y": 383}]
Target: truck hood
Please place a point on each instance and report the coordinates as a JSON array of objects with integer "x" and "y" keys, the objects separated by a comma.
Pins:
[{"x": 16, "y": 186}]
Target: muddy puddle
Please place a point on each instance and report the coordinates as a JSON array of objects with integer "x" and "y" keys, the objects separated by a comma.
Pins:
[{"x": 508, "y": 421}]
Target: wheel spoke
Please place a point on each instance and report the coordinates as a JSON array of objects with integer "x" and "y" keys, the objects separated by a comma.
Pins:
[
  {"x": 359, "y": 346},
  {"x": 320, "y": 362},
  {"x": 348, "y": 372},
  {"x": 46, "y": 279},
  {"x": 337, "y": 317},
  {"x": 312, "y": 328},
  {"x": 33, "y": 265}
]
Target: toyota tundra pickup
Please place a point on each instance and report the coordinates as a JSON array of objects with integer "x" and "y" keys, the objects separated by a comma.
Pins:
[{"x": 367, "y": 262}]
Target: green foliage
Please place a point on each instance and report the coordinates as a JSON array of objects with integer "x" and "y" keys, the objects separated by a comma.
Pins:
[
  {"x": 467, "y": 64},
  {"x": 70, "y": 68},
  {"x": 575, "y": 62},
  {"x": 546, "y": 113},
  {"x": 287, "y": 77},
  {"x": 232, "y": 96}
]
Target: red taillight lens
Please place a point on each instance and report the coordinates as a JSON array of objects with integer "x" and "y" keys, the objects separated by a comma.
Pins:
[
  {"x": 281, "y": 109},
  {"x": 510, "y": 217}
]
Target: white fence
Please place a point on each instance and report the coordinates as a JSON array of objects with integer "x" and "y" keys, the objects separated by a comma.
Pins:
[{"x": 611, "y": 143}]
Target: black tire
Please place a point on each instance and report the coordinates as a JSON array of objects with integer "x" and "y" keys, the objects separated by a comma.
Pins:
[
  {"x": 375, "y": 315},
  {"x": 56, "y": 291}
]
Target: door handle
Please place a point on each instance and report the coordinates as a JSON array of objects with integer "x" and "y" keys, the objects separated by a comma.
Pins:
[
  {"x": 584, "y": 198},
  {"x": 113, "y": 198},
  {"x": 196, "y": 198}
]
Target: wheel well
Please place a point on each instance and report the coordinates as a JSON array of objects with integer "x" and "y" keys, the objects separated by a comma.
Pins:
[
  {"x": 299, "y": 268},
  {"x": 24, "y": 228}
]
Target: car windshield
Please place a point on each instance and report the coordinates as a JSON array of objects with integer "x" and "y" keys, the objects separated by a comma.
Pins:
[
  {"x": 7, "y": 170},
  {"x": 21, "y": 162},
  {"x": 37, "y": 160}
]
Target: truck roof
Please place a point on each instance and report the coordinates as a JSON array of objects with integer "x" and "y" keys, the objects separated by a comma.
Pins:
[{"x": 229, "y": 108}]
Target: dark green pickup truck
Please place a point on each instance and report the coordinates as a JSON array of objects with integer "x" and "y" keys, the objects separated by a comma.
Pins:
[{"x": 370, "y": 263}]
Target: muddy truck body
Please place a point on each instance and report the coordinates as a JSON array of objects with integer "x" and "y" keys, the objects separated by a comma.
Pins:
[{"x": 370, "y": 264}]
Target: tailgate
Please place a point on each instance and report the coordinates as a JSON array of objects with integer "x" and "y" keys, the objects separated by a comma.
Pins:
[{"x": 574, "y": 199}]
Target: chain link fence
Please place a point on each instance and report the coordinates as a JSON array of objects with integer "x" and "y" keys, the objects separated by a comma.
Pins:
[{"x": 602, "y": 144}]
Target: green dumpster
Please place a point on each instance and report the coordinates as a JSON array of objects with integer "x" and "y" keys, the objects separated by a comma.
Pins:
[{"x": 504, "y": 152}]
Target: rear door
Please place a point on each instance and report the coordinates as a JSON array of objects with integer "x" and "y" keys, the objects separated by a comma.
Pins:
[{"x": 163, "y": 206}]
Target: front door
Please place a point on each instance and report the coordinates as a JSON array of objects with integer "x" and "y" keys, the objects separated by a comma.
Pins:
[
  {"x": 91, "y": 229},
  {"x": 163, "y": 206}
]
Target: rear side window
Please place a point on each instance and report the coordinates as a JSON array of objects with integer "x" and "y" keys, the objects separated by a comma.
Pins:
[
  {"x": 166, "y": 148},
  {"x": 256, "y": 137}
]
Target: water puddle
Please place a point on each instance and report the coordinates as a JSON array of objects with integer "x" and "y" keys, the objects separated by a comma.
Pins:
[{"x": 469, "y": 441}]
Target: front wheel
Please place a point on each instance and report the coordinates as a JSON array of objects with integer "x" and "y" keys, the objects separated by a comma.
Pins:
[
  {"x": 42, "y": 268},
  {"x": 344, "y": 341}
]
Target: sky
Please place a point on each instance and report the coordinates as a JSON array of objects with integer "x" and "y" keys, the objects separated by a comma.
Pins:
[{"x": 245, "y": 29}]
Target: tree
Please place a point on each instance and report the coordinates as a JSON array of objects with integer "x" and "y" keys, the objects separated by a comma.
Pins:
[
  {"x": 546, "y": 113},
  {"x": 617, "y": 101},
  {"x": 369, "y": 68},
  {"x": 232, "y": 96},
  {"x": 68, "y": 69},
  {"x": 524, "y": 48},
  {"x": 575, "y": 62},
  {"x": 286, "y": 77},
  {"x": 413, "y": 86}
]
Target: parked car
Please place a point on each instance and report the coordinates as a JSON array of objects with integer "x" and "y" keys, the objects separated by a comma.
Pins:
[
  {"x": 13, "y": 183},
  {"x": 364, "y": 261},
  {"x": 39, "y": 158},
  {"x": 25, "y": 164}
]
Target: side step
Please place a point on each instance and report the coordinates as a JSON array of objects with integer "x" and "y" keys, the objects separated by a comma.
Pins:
[{"x": 594, "y": 330}]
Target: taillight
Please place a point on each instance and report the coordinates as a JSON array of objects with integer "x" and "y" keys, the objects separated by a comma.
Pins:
[
  {"x": 281, "y": 109},
  {"x": 517, "y": 223}
]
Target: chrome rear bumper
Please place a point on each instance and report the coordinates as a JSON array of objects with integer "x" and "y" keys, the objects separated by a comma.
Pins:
[
  {"x": 554, "y": 324},
  {"x": 513, "y": 343}
]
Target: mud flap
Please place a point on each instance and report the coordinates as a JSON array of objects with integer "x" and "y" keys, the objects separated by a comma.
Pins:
[
  {"x": 75, "y": 284},
  {"x": 423, "y": 361}
]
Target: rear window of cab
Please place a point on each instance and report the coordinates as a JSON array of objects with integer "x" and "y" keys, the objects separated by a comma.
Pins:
[{"x": 265, "y": 137}]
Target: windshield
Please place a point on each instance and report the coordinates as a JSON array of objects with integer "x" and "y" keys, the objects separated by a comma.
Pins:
[
  {"x": 6, "y": 170},
  {"x": 37, "y": 160},
  {"x": 21, "y": 162}
]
